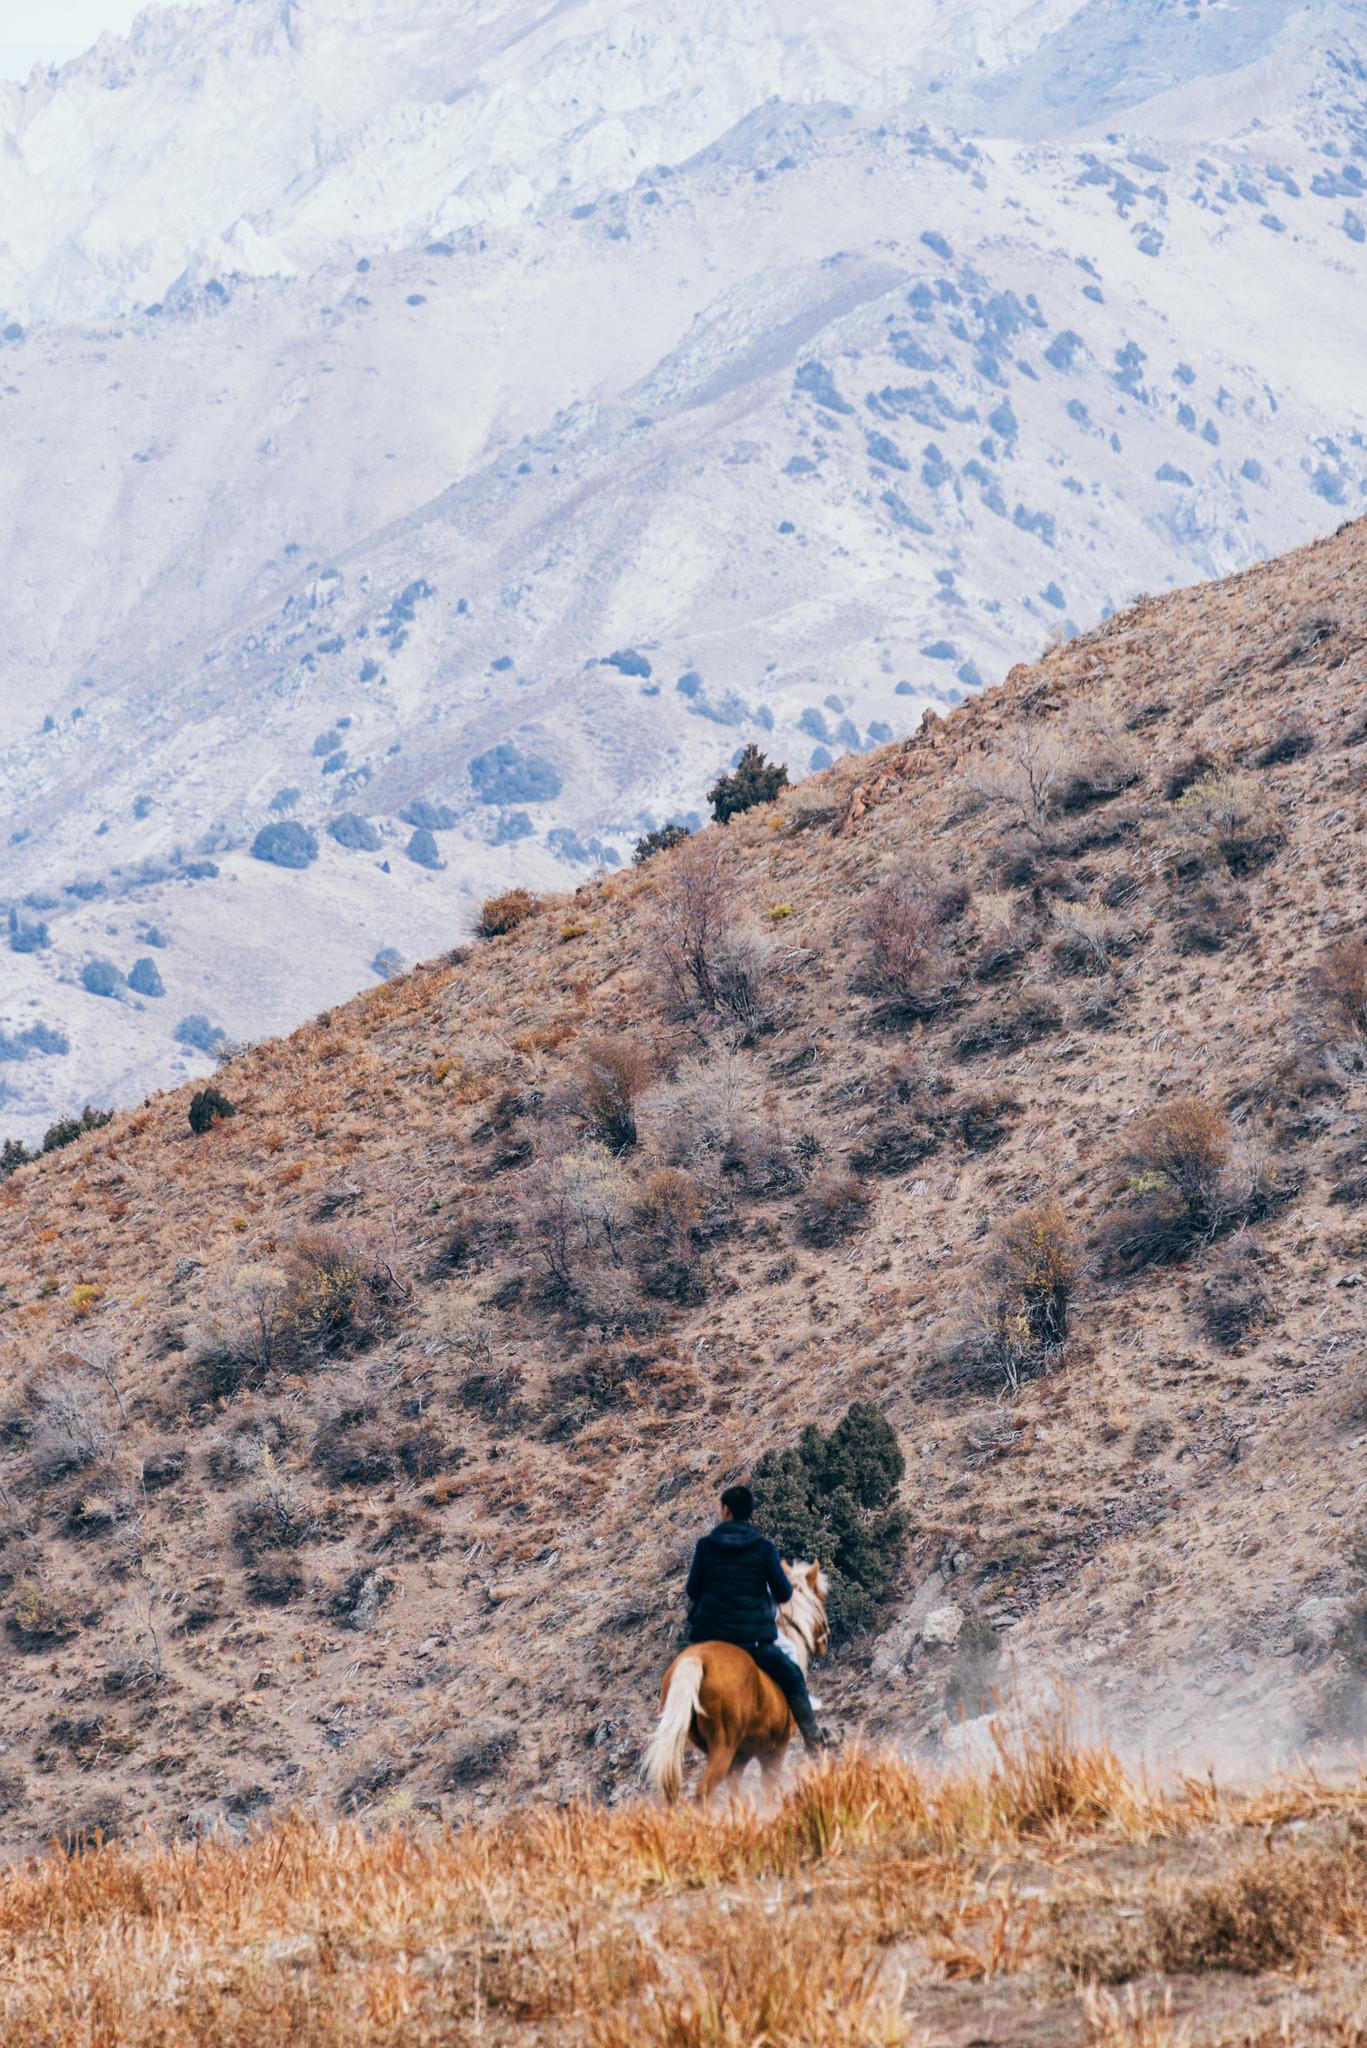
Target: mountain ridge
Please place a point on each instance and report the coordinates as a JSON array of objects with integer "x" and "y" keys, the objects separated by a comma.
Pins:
[{"x": 837, "y": 419}]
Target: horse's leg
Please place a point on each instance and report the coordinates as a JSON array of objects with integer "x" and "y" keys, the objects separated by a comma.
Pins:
[
  {"x": 735, "y": 1774},
  {"x": 771, "y": 1767},
  {"x": 719, "y": 1762}
]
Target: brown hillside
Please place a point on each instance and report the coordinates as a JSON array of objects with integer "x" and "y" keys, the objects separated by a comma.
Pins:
[{"x": 1012, "y": 1079}]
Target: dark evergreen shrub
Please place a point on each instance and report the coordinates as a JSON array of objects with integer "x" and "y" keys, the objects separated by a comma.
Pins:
[
  {"x": 27, "y": 938},
  {"x": 428, "y": 817},
  {"x": 423, "y": 849},
  {"x": 196, "y": 1031},
  {"x": 833, "y": 1498},
  {"x": 144, "y": 978},
  {"x": 13, "y": 1154},
  {"x": 286, "y": 845},
  {"x": 355, "y": 833},
  {"x": 752, "y": 781},
  {"x": 101, "y": 978},
  {"x": 208, "y": 1107},
  {"x": 659, "y": 841},
  {"x": 68, "y": 1129},
  {"x": 505, "y": 775}
]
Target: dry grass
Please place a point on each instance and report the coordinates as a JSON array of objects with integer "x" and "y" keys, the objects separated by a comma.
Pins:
[{"x": 836, "y": 1920}]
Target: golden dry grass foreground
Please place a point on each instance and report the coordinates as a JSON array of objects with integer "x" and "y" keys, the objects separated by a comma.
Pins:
[
  {"x": 1048, "y": 1900},
  {"x": 352, "y": 1449}
]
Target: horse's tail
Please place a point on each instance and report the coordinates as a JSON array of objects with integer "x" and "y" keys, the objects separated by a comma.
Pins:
[{"x": 664, "y": 1756}]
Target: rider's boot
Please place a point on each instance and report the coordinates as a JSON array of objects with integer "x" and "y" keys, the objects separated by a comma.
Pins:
[{"x": 809, "y": 1728}]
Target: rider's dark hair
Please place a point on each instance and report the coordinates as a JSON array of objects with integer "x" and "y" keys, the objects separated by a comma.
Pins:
[{"x": 739, "y": 1503}]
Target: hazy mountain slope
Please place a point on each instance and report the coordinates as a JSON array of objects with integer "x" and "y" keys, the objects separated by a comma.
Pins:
[
  {"x": 687, "y": 342},
  {"x": 276, "y": 1530}
]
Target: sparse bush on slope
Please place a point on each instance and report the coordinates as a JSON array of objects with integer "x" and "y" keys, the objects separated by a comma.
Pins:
[
  {"x": 710, "y": 961},
  {"x": 505, "y": 913},
  {"x": 1018, "y": 1309},
  {"x": 908, "y": 964},
  {"x": 1339, "y": 978},
  {"x": 286, "y": 844}
]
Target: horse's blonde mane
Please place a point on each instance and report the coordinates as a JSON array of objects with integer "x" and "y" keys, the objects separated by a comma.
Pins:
[{"x": 802, "y": 1620}]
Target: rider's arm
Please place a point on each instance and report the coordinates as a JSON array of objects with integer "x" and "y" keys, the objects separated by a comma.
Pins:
[
  {"x": 779, "y": 1588},
  {"x": 693, "y": 1589}
]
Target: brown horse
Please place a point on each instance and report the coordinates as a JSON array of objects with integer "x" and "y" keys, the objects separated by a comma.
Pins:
[{"x": 715, "y": 1696}]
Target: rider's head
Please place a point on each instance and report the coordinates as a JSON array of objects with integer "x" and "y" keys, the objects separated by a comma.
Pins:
[{"x": 737, "y": 1504}]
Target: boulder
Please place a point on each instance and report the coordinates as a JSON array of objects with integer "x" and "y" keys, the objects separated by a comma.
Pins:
[
  {"x": 942, "y": 1625},
  {"x": 1316, "y": 1625}
]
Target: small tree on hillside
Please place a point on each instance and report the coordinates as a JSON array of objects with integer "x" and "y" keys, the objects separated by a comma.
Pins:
[
  {"x": 659, "y": 841},
  {"x": 752, "y": 781},
  {"x": 833, "y": 1498},
  {"x": 209, "y": 1106}
]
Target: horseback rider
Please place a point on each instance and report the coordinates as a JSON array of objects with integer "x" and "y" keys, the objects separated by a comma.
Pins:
[{"x": 734, "y": 1584}]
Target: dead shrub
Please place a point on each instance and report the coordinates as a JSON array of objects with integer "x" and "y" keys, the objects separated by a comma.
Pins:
[
  {"x": 480, "y": 1760},
  {"x": 493, "y": 1390},
  {"x": 42, "y": 1616},
  {"x": 610, "y": 1376},
  {"x": 1301, "y": 640},
  {"x": 1339, "y": 980},
  {"x": 1092, "y": 938},
  {"x": 899, "y": 1144},
  {"x": 1187, "y": 1186},
  {"x": 1031, "y": 1272},
  {"x": 70, "y": 1429},
  {"x": 1191, "y": 769},
  {"x": 341, "y": 1297},
  {"x": 355, "y": 1447},
  {"x": 1003, "y": 936},
  {"x": 831, "y": 1210},
  {"x": 1107, "y": 762},
  {"x": 613, "y": 1074},
  {"x": 574, "y": 1217},
  {"x": 1231, "y": 820},
  {"x": 1349, "y": 1172},
  {"x": 1021, "y": 778},
  {"x": 276, "y": 1516},
  {"x": 275, "y": 1584},
  {"x": 706, "y": 1120},
  {"x": 505, "y": 913},
  {"x": 1274, "y": 1911},
  {"x": 906, "y": 964},
  {"x": 669, "y": 1220},
  {"x": 706, "y": 962}
]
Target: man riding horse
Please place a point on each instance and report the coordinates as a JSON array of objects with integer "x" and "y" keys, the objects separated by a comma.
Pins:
[
  {"x": 739, "y": 1692},
  {"x": 734, "y": 1584}
]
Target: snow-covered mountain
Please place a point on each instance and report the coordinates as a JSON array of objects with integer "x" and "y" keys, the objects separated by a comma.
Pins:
[{"x": 510, "y": 410}]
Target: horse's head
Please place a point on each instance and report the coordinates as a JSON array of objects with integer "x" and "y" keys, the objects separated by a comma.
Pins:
[{"x": 805, "y": 1613}]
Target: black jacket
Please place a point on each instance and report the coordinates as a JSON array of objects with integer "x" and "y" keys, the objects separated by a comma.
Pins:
[{"x": 735, "y": 1581}]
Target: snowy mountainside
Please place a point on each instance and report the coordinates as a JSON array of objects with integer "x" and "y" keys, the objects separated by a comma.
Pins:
[{"x": 512, "y": 414}]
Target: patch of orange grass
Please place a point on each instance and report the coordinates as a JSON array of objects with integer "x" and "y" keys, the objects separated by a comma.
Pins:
[{"x": 313, "y": 1934}]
